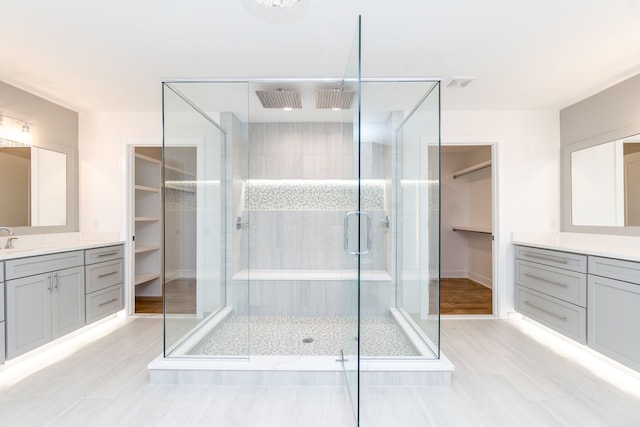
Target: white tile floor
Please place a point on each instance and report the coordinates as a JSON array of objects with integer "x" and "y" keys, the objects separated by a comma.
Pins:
[{"x": 504, "y": 378}]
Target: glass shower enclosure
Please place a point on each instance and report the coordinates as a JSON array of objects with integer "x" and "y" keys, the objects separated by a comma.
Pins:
[{"x": 302, "y": 226}]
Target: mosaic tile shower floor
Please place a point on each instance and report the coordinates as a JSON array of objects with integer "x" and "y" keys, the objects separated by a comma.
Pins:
[{"x": 271, "y": 335}]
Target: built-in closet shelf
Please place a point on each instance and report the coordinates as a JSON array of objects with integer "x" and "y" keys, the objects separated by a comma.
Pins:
[
  {"x": 314, "y": 275},
  {"x": 181, "y": 186},
  {"x": 146, "y": 260},
  {"x": 145, "y": 188},
  {"x": 147, "y": 158},
  {"x": 144, "y": 278},
  {"x": 146, "y": 248},
  {"x": 175, "y": 169},
  {"x": 147, "y": 218},
  {"x": 471, "y": 169},
  {"x": 473, "y": 229}
]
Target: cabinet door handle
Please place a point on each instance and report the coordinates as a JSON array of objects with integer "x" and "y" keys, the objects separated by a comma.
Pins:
[
  {"x": 107, "y": 274},
  {"x": 550, "y": 313},
  {"x": 546, "y": 258},
  {"x": 108, "y": 302},
  {"x": 107, "y": 254},
  {"x": 533, "y": 276}
]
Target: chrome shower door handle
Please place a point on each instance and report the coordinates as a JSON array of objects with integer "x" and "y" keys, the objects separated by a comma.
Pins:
[{"x": 346, "y": 232}]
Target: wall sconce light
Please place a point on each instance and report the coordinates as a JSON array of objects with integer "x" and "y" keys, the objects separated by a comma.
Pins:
[{"x": 14, "y": 132}]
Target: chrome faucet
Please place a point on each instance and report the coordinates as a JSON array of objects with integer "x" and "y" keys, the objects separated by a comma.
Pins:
[
  {"x": 8, "y": 230},
  {"x": 10, "y": 240}
]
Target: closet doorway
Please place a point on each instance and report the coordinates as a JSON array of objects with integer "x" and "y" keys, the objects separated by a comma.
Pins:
[
  {"x": 467, "y": 286},
  {"x": 159, "y": 271}
]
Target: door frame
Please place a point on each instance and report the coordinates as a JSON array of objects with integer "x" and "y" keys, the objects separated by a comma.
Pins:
[
  {"x": 129, "y": 254},
  {"x": 498, "y": 289}
]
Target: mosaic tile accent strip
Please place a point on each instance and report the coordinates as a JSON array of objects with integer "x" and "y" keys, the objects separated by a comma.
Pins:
[
  {"x": 312, "y": 195},
  {"x": 282, "y": 335}
]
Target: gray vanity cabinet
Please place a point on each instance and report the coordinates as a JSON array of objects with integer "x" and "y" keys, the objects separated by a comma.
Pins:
[
  {"x": 592, "y": 299},
  {"x": 2, "y": 323},
  {"x": 43, "y": 303},
  {"x": 614, "y": 309}
]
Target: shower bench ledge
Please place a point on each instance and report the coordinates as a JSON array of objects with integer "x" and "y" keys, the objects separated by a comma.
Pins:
[{"x": 276, "y": 274}]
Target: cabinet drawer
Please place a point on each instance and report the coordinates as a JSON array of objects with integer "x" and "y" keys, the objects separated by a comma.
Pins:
[
  {"x": 567, "y": 285},
  {"x": 106, "y": 253},
  {"x": 627, "y": 271},
  {"x": 104, "y": 275},
  {"x": 1, "y": 272},
  {"x": 103, "y": 303},
  {"x": 568, "y": 319},
  {"x": 614, "y": 319},
  {"x": 566, "y": 260},
  {"x": 31, "y": 266}
]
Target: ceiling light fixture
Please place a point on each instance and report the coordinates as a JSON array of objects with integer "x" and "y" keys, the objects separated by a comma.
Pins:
[
  {"x": 278, "y": 3},
  {"x": 14, "y": 131}
]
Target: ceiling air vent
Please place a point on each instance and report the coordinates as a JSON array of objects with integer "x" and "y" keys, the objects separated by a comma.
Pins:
[
  {"x": 279, "y": 98},
  {"x": 336, "y": 99}
]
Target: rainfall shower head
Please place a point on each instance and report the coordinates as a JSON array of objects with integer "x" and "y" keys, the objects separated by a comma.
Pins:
[
  {"x": 336, "y": 99},
  {"x": 279, "y": 98}
]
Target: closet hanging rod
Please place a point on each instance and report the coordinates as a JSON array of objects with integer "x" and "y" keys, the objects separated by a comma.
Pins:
[{"x": 472, "y": 169}]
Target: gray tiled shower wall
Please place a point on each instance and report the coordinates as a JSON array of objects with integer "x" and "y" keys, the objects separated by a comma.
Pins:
[{"x": 308, "y": 239}]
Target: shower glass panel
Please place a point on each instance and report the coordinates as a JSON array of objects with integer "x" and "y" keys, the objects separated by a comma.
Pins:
[
  {"x": 357, "y": 228},
  {"x": 197, "y": 188},
  {"x": 417, "y": 192},
  {"x": 391, "y": 110}
]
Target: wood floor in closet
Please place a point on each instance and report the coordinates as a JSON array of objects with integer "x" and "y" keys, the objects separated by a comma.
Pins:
[
  {"x": 464, "y": 296},
  {"x": 181, "y": 299}
]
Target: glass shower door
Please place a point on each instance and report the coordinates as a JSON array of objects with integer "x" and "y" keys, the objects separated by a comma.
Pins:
[{"x": 355, "y": 243}]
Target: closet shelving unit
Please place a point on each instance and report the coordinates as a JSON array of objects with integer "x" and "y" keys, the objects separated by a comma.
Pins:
[
  {"x": 148, "y": 224},
  {"x": 470, "y": 228}
]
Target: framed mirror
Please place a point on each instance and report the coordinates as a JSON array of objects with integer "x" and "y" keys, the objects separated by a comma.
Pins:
[
  {"x": 33, "y": 185},
  {"x": 602, "y": 186},
  {"x": 37, "y": 188}
]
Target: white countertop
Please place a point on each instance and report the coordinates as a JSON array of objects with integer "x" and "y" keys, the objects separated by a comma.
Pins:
[
  {"x": 34, "y": 245},
  {"x": 604, "y": 245}
]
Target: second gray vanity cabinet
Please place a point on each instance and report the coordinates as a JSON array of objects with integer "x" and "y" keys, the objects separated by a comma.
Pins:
[
  {"x": 614, "y": 309},
  {"x": 2, "y": 349},
  {"x": 43, "y": 306}
]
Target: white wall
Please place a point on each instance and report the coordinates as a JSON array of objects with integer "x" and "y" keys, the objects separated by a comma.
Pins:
[
  {"x": 103, "y": 165},
  {"x": 528, "y": 174}
]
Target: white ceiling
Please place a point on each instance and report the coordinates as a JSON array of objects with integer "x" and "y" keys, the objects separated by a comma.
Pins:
[{"x": 524, "y": 54}]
